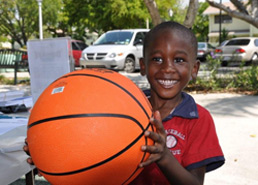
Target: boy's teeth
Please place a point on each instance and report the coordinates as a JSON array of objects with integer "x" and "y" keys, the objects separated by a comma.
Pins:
[{"x": 167, "y": 82}]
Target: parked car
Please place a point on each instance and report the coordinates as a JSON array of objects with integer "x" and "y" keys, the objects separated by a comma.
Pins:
[
  {"x": 223, "y": 43},
  {"x": 24, "y": 57},
  {"x": 204, "y": 49},
  {"x": 116, "y": 50},
  {"x": 77, "y": 46},
  {"x": 237, "y": 50}
]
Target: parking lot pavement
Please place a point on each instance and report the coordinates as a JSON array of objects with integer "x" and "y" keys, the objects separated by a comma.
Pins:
[{"x": 236, "y": 120}]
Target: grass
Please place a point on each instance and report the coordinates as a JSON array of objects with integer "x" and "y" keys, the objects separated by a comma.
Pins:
[{"x": 10, "y": 81}]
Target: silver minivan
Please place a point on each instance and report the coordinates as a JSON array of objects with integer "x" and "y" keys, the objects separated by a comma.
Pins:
[{"x": 116, "y": 50}]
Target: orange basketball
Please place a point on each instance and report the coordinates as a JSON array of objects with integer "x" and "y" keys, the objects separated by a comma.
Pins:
[{"x": 87, "y": 127}]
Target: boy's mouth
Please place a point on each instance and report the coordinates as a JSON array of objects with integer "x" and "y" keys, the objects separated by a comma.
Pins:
[{"x": 167, "y": 83}]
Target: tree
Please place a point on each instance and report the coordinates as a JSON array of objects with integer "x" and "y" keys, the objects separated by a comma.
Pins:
[
  {"x": 201, "y": 23},
  {"x": 190, "y": 15},
  {"x": 247, "y": 12},
  {"x": 19, "y": 18},
  {"x": 104, "y": 15}
]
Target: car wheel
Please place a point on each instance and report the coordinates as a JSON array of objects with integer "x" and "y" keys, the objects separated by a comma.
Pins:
[
  {"x": 129, "y": 65},
  {"x": 253, "y": 60},
  {"x": 255, "y": 57}
]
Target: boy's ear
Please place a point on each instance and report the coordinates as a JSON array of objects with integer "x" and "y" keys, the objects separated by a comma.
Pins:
[
  {"x": 142, "y": 67},
  {"x": 195, "y": 69}
]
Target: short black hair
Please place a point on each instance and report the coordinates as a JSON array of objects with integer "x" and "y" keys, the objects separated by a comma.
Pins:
[{"x": 173, "y": 26}]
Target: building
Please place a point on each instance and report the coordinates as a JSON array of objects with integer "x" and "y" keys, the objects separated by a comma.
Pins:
[{"x": 233, "y": 26}]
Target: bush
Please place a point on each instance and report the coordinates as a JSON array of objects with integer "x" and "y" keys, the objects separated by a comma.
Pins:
[
  {"x": 9, "y": 81},
  {"x": 244, "y": 81},
  {"x": 6, "y": 81}
]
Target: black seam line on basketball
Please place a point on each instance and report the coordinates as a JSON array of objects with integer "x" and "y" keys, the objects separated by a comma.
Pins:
[
  {"x": 99, "y": 163},
  {"x": 141, "y": 159},
  {"x": 84, "y": 116},
  {"x": 90, "y": 75}
]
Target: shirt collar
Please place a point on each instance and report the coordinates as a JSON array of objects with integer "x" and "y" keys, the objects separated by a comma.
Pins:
[{"x": 186, "y": 109}]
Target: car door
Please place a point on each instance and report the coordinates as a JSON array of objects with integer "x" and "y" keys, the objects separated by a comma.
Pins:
[
  {"x": 138, "y": 44},
  {"x": 76, "y": 53}
]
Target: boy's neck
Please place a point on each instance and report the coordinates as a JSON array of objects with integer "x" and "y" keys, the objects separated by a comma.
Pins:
[{"x": 165, "y": 106}]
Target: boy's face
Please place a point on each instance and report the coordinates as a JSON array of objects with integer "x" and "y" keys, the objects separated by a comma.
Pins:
[{"x": 169, "y": 63}]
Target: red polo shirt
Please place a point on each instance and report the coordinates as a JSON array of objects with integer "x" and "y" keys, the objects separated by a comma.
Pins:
[{"x": 191, "y": 137}]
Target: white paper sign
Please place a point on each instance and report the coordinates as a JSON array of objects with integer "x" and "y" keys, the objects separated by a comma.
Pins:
[{"x": 49, "y": 59}]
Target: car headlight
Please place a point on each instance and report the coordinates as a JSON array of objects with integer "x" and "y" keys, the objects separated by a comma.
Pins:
[
  {"x": 112, "y": 55},
  {"x": 84, "y": 55}
]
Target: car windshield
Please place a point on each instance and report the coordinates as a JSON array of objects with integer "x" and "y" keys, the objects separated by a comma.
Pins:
[
  {"x": 238, "y": 42},
  {"x": 223, "y": 43},
  {"x": 201, "y": 45},
  {"x": 118, "y": 37}
]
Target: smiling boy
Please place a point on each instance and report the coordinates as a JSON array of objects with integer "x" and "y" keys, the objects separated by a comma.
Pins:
[{"x": 186, "y": 144}]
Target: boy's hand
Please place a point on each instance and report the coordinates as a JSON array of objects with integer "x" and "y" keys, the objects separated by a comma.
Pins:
[
  {"x": 27, "y": 151},
  {"x": 159, "y": 149}
]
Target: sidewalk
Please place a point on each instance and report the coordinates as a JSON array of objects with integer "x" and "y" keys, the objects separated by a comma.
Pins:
[{"x": 236, "y": 119}]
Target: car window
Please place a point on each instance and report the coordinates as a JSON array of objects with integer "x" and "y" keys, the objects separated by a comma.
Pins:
[
  {"x": 238, "y": 42},
  {"x": 201, "y": 45},
  {"x": 117, "y": 37},
  {"x": 223, "y": 43},
  {"x": 256, "y": 42},
  {"x": 139, "y": 38},
  {"x": 82, "y": 45},
  {"x": 75, "y": 47}
]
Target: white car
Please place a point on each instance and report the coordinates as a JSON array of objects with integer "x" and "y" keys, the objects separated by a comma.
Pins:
[
  {"x": 116, "y": 50},
  {"x": 204, "y": 49},
  {"x": 236, "y": 50}
]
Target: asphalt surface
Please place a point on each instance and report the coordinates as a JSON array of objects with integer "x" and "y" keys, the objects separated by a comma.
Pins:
[{"x": 236, "y": 120}]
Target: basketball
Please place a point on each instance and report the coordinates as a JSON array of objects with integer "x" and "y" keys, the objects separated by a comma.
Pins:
[{"x": 87, "y": 127}]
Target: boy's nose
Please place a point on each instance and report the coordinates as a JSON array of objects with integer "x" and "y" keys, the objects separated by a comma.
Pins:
[{"x": 168, "y": 66}]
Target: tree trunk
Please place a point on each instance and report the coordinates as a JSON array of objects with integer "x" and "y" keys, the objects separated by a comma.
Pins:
[
  {"x": 191, "y": 13},
  {"x": 153, "y": 10},
  {"x": 252, "y": 19}
]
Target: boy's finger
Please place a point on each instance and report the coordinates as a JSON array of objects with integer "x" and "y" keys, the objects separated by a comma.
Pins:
[
  {"x": 151, "y": 149},
  {"x": 39, "y": 174},
  {"x": 26, "y": 149},
  {"x": 29, "y": 160},
  {"x": 26, "y": 142},
  {"x": 150, "y": 160},
  {"x": 154, "y": 136},
  {"x": 157, "y": 122}
]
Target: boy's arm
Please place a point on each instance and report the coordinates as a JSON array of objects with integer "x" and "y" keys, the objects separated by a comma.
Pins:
[
  {"x": 177, "y": 174},
  {"x": 168, "y": 164}
]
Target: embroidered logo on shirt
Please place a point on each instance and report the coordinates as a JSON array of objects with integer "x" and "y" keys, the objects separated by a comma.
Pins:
[
  {"x": 176, "y": 133},
  {"x": 171, "y": 141},
  {"x": 193, "y": 114},
  {"x": 173, "y": 137}
]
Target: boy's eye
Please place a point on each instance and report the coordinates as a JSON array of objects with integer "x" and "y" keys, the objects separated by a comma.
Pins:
[
  {"x": 178, "y": 60},
  {"x": 157, "y": 59}
]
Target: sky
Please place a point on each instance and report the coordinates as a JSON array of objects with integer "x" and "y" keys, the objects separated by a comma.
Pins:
[{"x": 186, "y": 2}]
